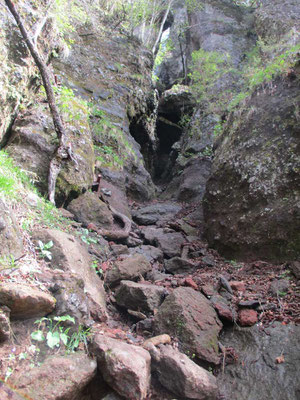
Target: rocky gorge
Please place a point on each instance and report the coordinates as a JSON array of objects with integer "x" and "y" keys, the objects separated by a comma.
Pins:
[{"x": 169, "y": 265}]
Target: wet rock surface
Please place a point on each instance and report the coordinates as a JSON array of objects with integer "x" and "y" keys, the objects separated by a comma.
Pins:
[{"x": 259, "y": 371}]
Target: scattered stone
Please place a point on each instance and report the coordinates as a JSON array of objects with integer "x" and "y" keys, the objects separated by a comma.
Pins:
[
  {"x": 279, "y": 287},
  {"x": 169, "y": 242},
  {"x": 5, "y": 329},
  {"x": 295, "y": 268},
  {"x": 178, "y": 265},
  {"x": 124, "y": 367},
  {"x": 133, "y": 241},
  {"x": 139, "y": 296},
  {"x": 151, "y": 214},
  {"x": 71, "y": 256},
  {"x": 208, "y": 290},
  {"x": 57, "y": 378},
  {"x": 131, "y": 268},
  {"x": 182, "y": 376},
  {"x": 189, "y": 282},
  {"x": 189, "y": 316},
  {"x": 250, "y": 303},
  {"x": 209, "y": 261},
  {"x": 88, "y": 208},
  {"x": 25, "y": 301},
  {"x": 224, "y": 311},
  {"x": 238, "y": 286},
  {"x": 174, "y": 283},
  {"x": 119, "y": 249},
  {"x": 137, "y": 314},
  {"x": 157, "y": 340},
  {"x": 247, "y": 317},
  {"x": 145, "y": 325},
  {"x": 150, "y": 252},
  {"x": 198, "y": 253},
  {"x": 225, "y": 284}
]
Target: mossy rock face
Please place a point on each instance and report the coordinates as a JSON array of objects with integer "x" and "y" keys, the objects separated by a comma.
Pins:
[
  {"x": 189, "y": 316},
  {"x": 33, "y": 143},
  {"x": 252, "y": 199}
]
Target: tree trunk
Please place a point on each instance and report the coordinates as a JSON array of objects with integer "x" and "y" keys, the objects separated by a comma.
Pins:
[
  {"x": 156, "y": 45},
  {"x": 61, "y": 153}
]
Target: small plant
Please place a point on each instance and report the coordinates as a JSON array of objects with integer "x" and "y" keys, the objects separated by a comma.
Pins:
[
  {"x": 86, "y": 238},
  {"x": 56, "y": 333},
  {"x": 7, "y": 262},
  {"x": 78, "y": 337},
  {"x": 98, "y": 270},
  {"x": 44, "y": 249}
]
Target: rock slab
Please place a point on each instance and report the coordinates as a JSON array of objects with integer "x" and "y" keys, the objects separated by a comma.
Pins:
[
  {"x": 182, "y": 376},
  {"x": 124, "y": 367},
  {"x": 190, "y": 317},
  {"x": 139, "y": 296},
  {"x": 25, "y": 301}
]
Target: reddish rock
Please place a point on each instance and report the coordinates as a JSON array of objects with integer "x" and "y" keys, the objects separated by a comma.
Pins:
[
  {"x": 124, "y": 367},
  {"x": 189, "y": 282},
  {"x": 247, "y": 317},
  {"x": 208, "y": 290},
  {"x": 238, "y": 286},
  {"x": 189, "y": 316}
]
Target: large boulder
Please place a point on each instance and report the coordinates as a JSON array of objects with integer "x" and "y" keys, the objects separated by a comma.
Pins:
[
  {"x": 169, "y": 242},
  {"x": 88, "y": 208},
  {"x": 153, "y": 213},
  {"x": 10, "y": 236},
  {"x": 179, "y": 374},
  {"x": 124, "y": 367},
  {"x": 25, "y": 301},
  {"x": 130, "y": 268},
  {"x": 252, "y": 199},
  {"x": 189, "y": 316},
  {"x": 272, "y": 353},
  {"x": 69, "y": 255},
  {"x": 58, "y": 378},
  {"x": 139, "y": 296}
]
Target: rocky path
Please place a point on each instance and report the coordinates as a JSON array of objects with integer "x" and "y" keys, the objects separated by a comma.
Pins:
[{"x": 178, "y": 318}]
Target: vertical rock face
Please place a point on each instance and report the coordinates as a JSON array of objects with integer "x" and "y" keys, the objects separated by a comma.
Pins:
[{"x": 252, "y": 199}]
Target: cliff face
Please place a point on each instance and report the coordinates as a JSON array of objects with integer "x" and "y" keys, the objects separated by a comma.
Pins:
[
  {"x": 252, "y": 197},
  {"x": 105, "y": 93}
]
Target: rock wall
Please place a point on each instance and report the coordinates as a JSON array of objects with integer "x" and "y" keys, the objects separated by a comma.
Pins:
[{"x": 252, "y": 198}]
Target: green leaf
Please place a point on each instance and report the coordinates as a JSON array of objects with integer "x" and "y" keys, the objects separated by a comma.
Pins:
[
  {"x": 53, "y": 339},
  {"x": 64, "y": 338},
  {"x": 48, "y": 245},
  {"x": 38, "y": 336},
  {"x": 64, "y": 318}
]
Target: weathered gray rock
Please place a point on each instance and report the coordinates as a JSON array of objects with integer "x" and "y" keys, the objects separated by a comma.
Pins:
[
  {"x": 257, "y": 351},
  {"x": 224, "y": 310},
  {"x": 130, "y": 268},
  {"x": 25, "y": 301},
  {"x": 279, "y": 287},
  {"x": 182, "y": 376},
  {"x": 71, "y": 256},
  {"x": 251, "y": 204},
  {"x": 139, "y": 296},
  {"x": 153, "y": 213},
  {"x": 150, "y": 252},
  {"x": 58, "y": 378},
  {"x": 169, "y": 242},
  {"x": 190, "y": 317},
  {"x": 10, "y": 236},
  {"x": 124, "y": 367},
  {"x": 88, "y": 208},
  {"x": 178, "y": 265},
  {"x": 5, "y": 329},
  {"x": 295, "y": 268}
]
